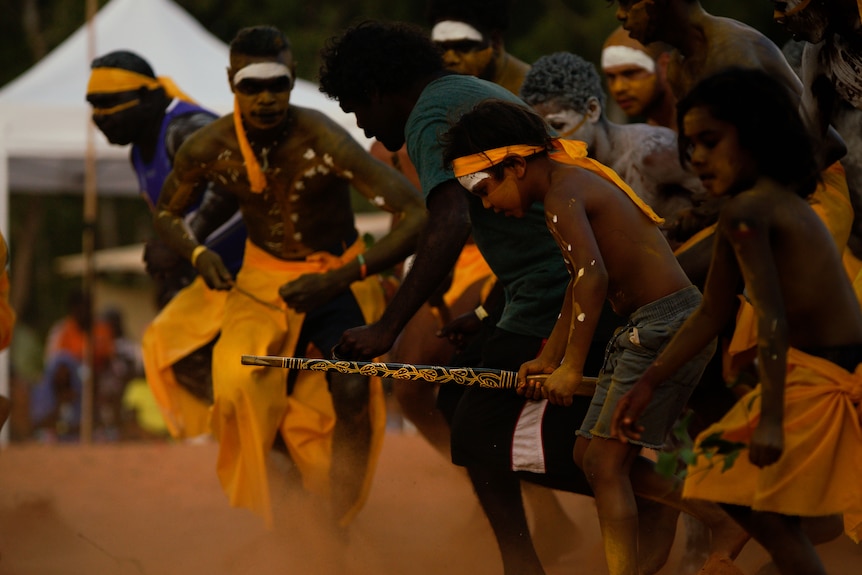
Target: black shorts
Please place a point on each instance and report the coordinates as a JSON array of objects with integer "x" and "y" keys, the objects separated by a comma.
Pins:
[{"x": 502, "y": 430}]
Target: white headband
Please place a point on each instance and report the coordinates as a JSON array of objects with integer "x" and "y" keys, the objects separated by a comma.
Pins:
[
  {"x": 450, "y": 31},
  {"x": 625, "y": 56},
  {"x": 261, "y": 71},
  {"x": 470, "y": 180}
]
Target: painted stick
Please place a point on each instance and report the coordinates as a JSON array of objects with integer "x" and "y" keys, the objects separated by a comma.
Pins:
[{"x": 482, "y": 377}]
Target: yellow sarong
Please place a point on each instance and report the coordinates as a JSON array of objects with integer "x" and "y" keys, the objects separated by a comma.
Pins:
[
  {"x": 470, "y": 268},
  {"x": 251, "y": 403},
  {"x": 190, "y": 320},
  {"x": 819, "y": 471}
]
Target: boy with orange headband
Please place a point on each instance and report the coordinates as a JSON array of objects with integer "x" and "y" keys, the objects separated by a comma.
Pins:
[
  {"x": 503, "y": 154},
  {"x": 306, "y": 277}
]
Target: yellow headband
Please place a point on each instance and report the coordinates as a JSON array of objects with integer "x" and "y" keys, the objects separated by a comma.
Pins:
[
  {"x": 115, "y": 80},
  {"x": 571, "y": 152},
  {"x": 256, "y": 177},
  {"x": 484, "y": 160}
]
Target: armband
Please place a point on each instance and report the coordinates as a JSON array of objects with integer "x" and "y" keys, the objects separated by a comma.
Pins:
[
  {"x": 481, "y": 312},
  {"x": 197, "y": 252}
]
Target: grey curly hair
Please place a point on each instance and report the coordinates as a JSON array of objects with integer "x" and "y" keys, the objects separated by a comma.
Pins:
[{"x": 565, "y": 78}]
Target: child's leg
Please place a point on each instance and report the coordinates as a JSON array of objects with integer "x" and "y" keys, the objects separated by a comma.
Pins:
[
  {"x": 607, "y": 463},
  {"x": 727, "y": 537},
  {"x": 783, "y": 537}
]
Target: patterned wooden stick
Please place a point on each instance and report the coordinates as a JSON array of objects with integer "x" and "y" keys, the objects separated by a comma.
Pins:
[{"x": 483, "y": 377}]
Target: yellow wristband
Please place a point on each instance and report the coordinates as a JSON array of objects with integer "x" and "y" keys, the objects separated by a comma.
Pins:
[
  {"x": 481, "y": 312},
  {"x": 197, "y": 252}
]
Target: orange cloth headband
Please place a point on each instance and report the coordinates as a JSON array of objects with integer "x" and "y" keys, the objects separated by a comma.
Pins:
[
  {"x": 571, "y": 152},
  {"x": 115, "y": 80},
  {"x": 484, "y": 160},
  {"x": 256, "y": 177}
]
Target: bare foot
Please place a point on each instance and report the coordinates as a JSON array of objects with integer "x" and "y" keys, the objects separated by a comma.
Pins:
[{"x": 656, "y": 531}]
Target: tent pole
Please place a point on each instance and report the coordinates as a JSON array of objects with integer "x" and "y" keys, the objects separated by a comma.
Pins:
[{"x": 88, "y": 241}]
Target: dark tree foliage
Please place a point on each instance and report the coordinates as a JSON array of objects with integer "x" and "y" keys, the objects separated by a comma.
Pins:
[{"x": 31, "y": 28}]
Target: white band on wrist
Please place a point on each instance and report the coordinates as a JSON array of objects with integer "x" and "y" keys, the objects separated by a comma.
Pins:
[{"x": 481, "y": 312}]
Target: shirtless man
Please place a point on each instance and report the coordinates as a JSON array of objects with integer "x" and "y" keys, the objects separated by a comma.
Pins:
[
  {"x": 131, "y": 106},
  {"x": 637, "y": 78},
  {"x": 470, "y": 34},
  {"x": 566, "y": 90},
  {"x": 291, "y": 170},
  {"x": 828, "y": 67}
]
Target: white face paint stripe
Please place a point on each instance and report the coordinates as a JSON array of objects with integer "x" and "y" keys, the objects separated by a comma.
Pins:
[
  {"x": 261, "y": 71},
  {"x": 624, "y": 56},
  {"x": 470, "y": 180},
  {"x": 451, "y": 31}
]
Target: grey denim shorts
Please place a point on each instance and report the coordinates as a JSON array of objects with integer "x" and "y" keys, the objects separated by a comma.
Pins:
[{"x": 628, "y": 354}]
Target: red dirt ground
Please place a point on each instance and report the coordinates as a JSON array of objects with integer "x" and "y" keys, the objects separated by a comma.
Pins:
[{"x": 157, "y": 509}]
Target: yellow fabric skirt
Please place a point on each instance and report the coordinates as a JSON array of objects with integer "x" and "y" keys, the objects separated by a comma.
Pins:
[
  {"x": 190, "y": 320},
  {"x": 251, "y": 403},
  {"x": 820, "y": 468}
]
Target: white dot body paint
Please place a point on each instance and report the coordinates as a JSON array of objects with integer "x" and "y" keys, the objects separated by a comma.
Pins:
[
  {"x": 582, "y": 316},
  {"x": 570, "y": 247},
  {"x": 378, "y": 201},
  {"x": 348, "y": 174},
  {"x": 581, "y": 272},
  {"x": 554, "y": 218},
  {"x": 470, "y": 180},
  {"x": 309, "y": 154}
]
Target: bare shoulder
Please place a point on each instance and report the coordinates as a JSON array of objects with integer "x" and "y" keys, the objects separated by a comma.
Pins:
[
  {"x": 207, "y": 143},
  {"x": 323, "y": 134}
]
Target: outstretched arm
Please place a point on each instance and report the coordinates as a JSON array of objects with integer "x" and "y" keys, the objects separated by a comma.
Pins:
[
  {"x": 385, "y": 188},
  {"x": 440, "y": 243}
]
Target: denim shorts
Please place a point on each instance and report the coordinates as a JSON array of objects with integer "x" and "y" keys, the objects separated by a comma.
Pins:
[{"x": 628, "y": 354}]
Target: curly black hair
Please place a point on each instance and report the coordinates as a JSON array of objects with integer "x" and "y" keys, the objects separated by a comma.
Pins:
[
  {"x": 375, "y": 56},
  {"x": 565, "y": 78}
]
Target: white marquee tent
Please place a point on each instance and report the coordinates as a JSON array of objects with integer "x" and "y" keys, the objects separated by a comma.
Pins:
[{"x": 44, "y": 117}]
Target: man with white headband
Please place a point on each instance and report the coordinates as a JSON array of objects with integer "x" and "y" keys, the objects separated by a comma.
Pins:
[
  {"x": 566, "y": 90},
  {"x": 637, "y": 79},
  {"x": 470, "y": 34},
  {"x": 130, "y": 105},
  {"x": 306, "y": 277}
]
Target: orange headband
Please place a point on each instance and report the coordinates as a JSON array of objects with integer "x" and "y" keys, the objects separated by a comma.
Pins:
[
  {"x": 483, "y": 160},
  {"x": 571, "y": 152},
  {"x": 115, "y": 80}
]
